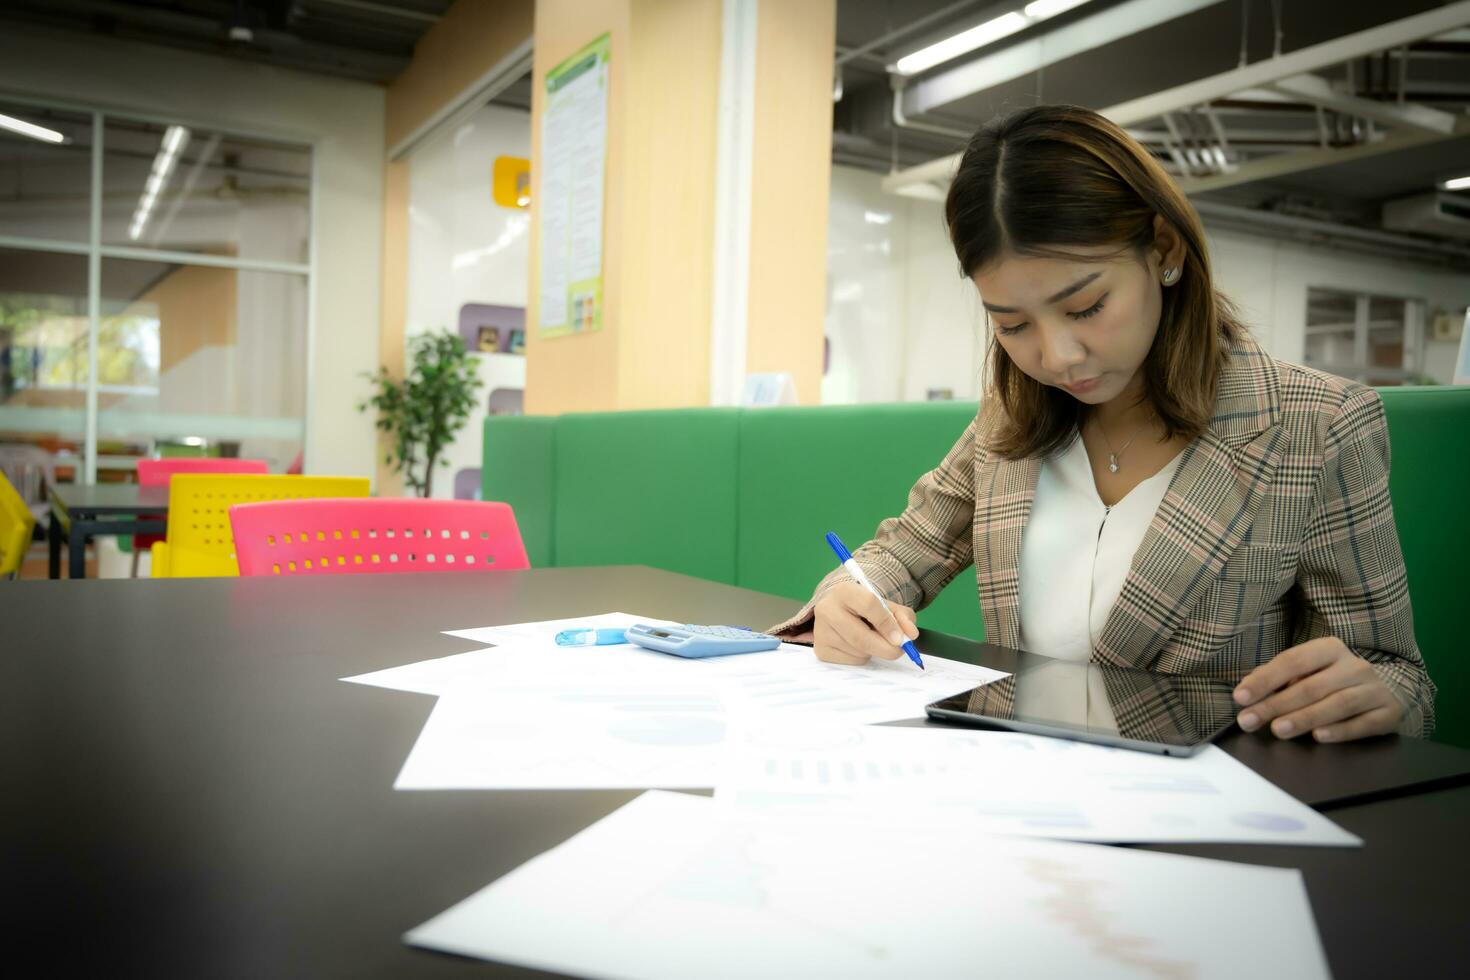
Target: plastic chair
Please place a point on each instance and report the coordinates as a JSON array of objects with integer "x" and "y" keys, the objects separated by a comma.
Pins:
[
  {"x": 355, "y": 537},
  {"x": 31, "y": 471},
  {"x": 199, "y": 542},
  {"x": 157, "y": 472},
  {"x": 16, "y": 526}
]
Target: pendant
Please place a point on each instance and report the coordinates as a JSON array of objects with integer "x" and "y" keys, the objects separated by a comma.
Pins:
[{"x": 1112, "y": 462}]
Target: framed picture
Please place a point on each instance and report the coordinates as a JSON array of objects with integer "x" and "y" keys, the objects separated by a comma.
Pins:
[
  {"x": 518, "y": 341},
  {"x": 488, "y": 340}
]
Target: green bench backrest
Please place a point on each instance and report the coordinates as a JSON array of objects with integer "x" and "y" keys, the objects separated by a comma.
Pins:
[
  {"x": 744, "y": 497},
  {"x": 648, "y": 488},
  {"x": 519, "y": 468},
  {"x": 1429, "y": 478},
  {"x": 807, "y": 471}
]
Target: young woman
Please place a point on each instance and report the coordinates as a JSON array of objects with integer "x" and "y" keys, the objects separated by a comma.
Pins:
[{"x": 1144, "y": 486}]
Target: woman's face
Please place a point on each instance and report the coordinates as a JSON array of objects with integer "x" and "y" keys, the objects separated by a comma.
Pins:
[{"x": 1081, "y": 324}]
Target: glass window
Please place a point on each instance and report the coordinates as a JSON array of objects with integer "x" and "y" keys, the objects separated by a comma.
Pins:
[
  {"x": 180, "y": 189},
  {"x": 191, "y": 353},
  {"x": 45, "y": 186},
  {"x": 1372, "y": 339},
  {"x": 43, "y": 352}
]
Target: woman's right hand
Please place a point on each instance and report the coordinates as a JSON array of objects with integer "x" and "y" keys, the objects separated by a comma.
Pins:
[{"x": 852, "y": 625}]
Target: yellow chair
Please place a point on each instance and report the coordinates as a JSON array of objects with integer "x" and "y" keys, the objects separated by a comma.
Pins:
[
  {"x": 199, "y": 542},
  {"x": 16, "y": 524}
]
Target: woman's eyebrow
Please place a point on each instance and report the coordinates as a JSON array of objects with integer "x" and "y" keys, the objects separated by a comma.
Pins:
[{"x": 1057, "y": 298}]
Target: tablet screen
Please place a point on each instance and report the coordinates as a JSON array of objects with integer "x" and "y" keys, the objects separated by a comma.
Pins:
[{"x": 1105, "y": 702}]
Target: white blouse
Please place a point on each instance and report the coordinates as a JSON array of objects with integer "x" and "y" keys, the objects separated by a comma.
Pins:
[{"x": 1076, "y": 551}]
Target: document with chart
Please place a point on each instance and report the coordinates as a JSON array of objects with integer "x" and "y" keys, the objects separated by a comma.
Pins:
[
  {"x": 1010, "y": 783},
  {"x": 666, "y": 887}
]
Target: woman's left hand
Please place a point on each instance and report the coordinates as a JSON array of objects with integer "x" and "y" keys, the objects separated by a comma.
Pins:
[{"x": 1320, "y": 687}]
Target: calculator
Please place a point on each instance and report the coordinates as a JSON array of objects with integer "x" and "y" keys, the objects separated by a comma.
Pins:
[{"x": 700, "y": 641}]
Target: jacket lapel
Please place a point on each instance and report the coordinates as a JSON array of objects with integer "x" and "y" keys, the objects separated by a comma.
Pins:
[
  {"x": 1210, "y": 505},
  {"x": 1004, "y": 490}
]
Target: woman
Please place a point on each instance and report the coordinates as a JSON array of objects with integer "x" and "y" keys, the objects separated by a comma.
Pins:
[{"x": 1143, "y": 485}]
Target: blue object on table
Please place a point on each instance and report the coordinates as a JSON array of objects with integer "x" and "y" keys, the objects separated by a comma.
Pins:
[
  {"x": 590, "y": 637},
  {"x": 701, "y": 641},
  {"x": 845, "y": 557}
]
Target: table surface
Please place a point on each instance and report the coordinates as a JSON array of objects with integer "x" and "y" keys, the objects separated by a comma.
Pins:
[
  {"x": 111, "y": 498},
  {"x": 193, "y": 792}
]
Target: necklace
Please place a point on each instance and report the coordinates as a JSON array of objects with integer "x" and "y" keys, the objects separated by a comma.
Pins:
[{"x": 1113, "y": 454}]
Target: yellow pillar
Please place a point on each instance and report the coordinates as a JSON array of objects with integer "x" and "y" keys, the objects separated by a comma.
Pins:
[{"x": 653, "y": 350}]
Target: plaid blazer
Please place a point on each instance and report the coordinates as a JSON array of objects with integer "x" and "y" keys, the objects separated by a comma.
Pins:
[{"x": 1276, "y": 528}]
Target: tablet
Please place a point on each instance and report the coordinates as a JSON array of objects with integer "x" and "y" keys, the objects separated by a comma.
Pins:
[{"x": 1134, "y": 709}]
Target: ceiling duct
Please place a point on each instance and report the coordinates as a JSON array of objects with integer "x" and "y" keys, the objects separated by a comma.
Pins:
[{"x": 1430, "y": 214}]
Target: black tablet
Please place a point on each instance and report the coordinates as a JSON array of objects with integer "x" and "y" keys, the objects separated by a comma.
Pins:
[{"x": 1135, "y": 709}]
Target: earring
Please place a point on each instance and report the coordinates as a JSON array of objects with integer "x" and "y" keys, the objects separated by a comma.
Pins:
[{"x": 1170, "y": 275}]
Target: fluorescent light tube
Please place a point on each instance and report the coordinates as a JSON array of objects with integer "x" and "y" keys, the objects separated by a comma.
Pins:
[
  {"x": 961, "y": 43},
  {"x": 1457, "y": 184},
  {"x": 175, "y": 138},
  {"x": 1042, "y": 9},
  {"x": 979, "y": 36},
  {"x": 31, "y": 129}
]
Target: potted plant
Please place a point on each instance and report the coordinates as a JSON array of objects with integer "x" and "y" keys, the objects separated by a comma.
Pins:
[{"x": 423, "y": 412}]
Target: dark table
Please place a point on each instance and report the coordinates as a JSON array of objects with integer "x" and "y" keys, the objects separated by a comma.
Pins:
[
  {"x": 190, "y": 791},
  {"x": 80, "y": 512}
]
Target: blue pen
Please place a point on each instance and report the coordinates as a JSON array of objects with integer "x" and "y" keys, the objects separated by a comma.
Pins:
[{"x": 853, "y": 569}]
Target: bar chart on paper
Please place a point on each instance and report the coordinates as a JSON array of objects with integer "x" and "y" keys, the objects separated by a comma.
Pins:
[
  {"x": 1009, "y": 783},
  {"x": 670, "y": 889}
]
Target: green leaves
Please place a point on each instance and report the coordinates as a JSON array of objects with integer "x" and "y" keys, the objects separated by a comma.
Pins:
[{"x": 423, "y": 412}]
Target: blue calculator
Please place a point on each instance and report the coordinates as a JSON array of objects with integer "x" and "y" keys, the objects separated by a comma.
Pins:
[{"x": 700, "y": 641}]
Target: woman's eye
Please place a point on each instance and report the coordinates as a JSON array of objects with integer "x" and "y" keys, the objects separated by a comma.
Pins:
[
  {"x": 1006, "y": 331},
  {"x": 1092, "y": 310}
]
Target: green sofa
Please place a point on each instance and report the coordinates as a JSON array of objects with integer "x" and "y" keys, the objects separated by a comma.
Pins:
[{"x": 744, "y": 497}]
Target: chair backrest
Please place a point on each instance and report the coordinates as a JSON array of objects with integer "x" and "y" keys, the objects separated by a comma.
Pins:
[
  {"x": 16, "y": 526},
  {"x": 200, "y": 542},
  {"x": 353, "y": 537},
  {"x": 31, "y": 471},
  {"x": 156, "y": 472}
]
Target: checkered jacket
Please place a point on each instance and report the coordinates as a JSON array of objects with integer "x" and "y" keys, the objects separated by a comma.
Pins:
[{"x": 1276, "y": 529}]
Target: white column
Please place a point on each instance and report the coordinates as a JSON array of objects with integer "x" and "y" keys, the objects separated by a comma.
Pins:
[{"x": 733, "y": 176}]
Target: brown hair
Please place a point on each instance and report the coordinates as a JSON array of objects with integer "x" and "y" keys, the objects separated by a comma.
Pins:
[{"x": 1051, "y": 178}]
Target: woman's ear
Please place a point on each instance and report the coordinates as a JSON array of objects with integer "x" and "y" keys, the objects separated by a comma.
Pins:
[{"x": 1167, "y": 250}]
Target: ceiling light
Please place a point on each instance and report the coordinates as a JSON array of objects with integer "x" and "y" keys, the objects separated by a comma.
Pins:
[
  {"x": 1042, "y": 9},
  {"x": 31, "y": 129},
  {"x": 980, "y": 35},
  {"x": 1457, "y": 183},
  {"x": 175, "y": 138}
]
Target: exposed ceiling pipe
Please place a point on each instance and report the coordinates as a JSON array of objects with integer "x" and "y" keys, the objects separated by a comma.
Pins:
[{"x": 1330, "y": 233}]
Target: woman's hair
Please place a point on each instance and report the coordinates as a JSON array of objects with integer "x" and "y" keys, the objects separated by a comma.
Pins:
[{"x": 1051, "y": 179}]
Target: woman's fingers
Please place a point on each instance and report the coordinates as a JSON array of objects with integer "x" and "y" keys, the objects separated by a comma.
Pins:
[
  {"x": 1344, "y": 703},
  {"x": 853, "y": 625},
  {"x": 1305, "y": 691},
  {"x": 1287, "y": 666},
  {"x": 1379, "y": 721}
]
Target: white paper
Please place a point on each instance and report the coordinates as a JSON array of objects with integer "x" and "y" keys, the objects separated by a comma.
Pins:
[
  {"x": 666, "y": 888},
  {"x": 615, "y": 737},
  {"x": 790, "y": 682},
  {"x": 1009, "y": 783},
  {"x": 545, "y": 631}
]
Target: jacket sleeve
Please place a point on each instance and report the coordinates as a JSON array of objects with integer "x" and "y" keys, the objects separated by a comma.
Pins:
[
  {"x": 1351, "y": 571},
  {"x": 913, "y": 556}
]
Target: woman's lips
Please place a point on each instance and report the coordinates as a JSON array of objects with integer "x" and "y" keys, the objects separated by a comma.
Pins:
[{"x": 1082, "y": 387}]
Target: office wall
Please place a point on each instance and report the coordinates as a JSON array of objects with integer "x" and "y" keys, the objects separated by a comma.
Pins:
[
  {"x": 900, "y": 320},
  {"x": 465, "y": 248},
  {"x": 346, "y": 121},
  {"x": 1269, "y": 279}
]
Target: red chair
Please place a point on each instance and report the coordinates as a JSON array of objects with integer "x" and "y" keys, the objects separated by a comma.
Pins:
[
  {"x": 367, "y": 536},
  {"x": 156, "y": 473}
]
